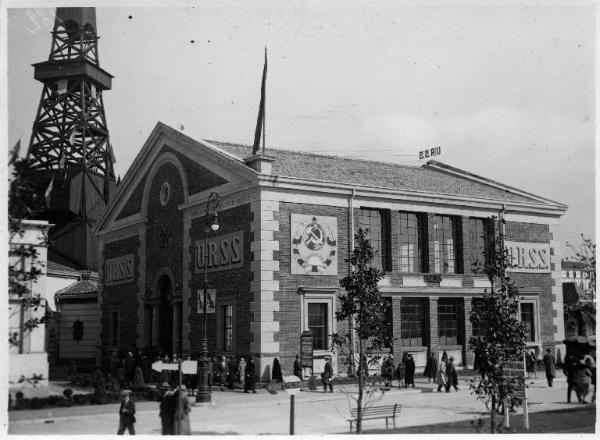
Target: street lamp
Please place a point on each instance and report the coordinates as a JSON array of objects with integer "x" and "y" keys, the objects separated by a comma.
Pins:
[{"x": 211, "y": 225}]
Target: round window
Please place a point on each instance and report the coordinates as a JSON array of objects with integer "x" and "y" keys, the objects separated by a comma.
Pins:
[{"x": 165, "y": 193}]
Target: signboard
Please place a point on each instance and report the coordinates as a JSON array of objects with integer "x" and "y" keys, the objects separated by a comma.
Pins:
[
  {"x": 528, "y": 257},
  {"x": 514, "y": 369},
  {"x": 224, "y": 252},
  {"x": 313, "y": 245},
  {"x": 187, "y": 367},
  {"x": 430, "y": 152},
  {"x": 211, "y": 300},
  {"x": 118, "y": 270},
  {"x": 306, "y": 349}
]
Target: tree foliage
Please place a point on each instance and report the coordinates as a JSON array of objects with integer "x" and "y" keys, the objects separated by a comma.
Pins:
[
  {"x": 363, "y": 305},
  {"x": 24, "y": 268},
  {"x": 584, "y": 310},
  {"x": 503, "y": 338}
]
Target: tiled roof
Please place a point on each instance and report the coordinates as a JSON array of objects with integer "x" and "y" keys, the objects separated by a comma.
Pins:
[
  {"x": 337, "y": 169},
  {"x": 80, "y": 288}
]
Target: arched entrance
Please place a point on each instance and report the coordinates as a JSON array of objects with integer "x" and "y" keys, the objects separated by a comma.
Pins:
[{"x": 165, "y": 320}]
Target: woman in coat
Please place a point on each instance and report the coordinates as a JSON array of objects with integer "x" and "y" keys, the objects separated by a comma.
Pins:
[
  {"x": 441, "y": 379},
  {"x": 242, "y": 372},
  {"x": 451, "y": 376},
  {"x": 250, "y": 376},
  {"x": 277, "y": 376},
  {"x": 181, "y": 425},
  {"x": 409, "y": 374},
  {"x": 549, "y": 366},
  {"x": 431, "y": 367}
]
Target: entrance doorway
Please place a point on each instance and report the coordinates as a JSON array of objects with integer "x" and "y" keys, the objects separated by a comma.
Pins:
[{"x": 165, "y": 321}]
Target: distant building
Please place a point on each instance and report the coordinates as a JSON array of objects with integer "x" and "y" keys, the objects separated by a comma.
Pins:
[
  {"x": 576, "y": 284},
  {"x": 287, "y": 221},
  {"x": 574, "y": 272}
]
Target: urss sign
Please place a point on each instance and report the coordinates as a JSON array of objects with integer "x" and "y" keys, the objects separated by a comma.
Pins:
[
  {"x": 528, "y": 257},
  {"x": 118, "y": 270},
  {"x": 223, "y": 252}
]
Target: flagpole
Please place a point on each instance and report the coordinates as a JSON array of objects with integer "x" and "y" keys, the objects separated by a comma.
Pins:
[{"x": 264, "y": 133}]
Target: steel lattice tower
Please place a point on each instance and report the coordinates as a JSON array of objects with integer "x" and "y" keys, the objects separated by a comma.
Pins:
[{"x": 69, "y": 147}]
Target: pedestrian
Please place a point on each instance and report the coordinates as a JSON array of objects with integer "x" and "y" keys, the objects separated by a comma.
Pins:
[
  {"x": 409, "y": 372},
  {"x": 222, "y": 372},
  {"x": 242, "y": 372},
  {"x": 363, "y": 367},
  {"x": 530, "y": 365},
  {"x": 298, "y": 367},
  {"x": 549, "y": 366},
  {"x": 387, "y": 370},
  {"x": 441, "y": 373},
  {"x": 431, "y": 367},
  {"x": 215, "y": 364},
  {"x": 167, "y": 411},
  {"x": 276, "y": 374},
  {"x": 231, "y": 370},
  {"x": 327, "y": 375},
  {"x": 569, "y": 369},
  {"x": 126, "y": 414},
  {"x": 181, "y": 418},
  {"x": 250, "y": 376},
  {"x": 583, "y": 378},
  {"x": 399, "y": 374},
  {"x": 129, "y": 364},
  {"x": 451, "y": 377},
  {"x": 591, "y": 364}
]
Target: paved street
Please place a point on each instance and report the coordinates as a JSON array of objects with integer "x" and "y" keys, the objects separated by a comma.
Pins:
[{"x": 264, "y": 413}]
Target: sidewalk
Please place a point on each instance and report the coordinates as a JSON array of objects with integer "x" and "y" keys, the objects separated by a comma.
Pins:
[{"x": 234, "y": 412}]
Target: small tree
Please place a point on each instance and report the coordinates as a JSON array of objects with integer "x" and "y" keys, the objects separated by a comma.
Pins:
[
  {"x": 363, "y": 303},
  {"x": 503, "y": 337},
  {"x": 23, "y": 269},
  {"x": 584, "y": 310}
]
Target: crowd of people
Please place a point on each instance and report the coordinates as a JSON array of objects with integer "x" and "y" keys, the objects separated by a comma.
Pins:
[{"x": 581, "y": 375}]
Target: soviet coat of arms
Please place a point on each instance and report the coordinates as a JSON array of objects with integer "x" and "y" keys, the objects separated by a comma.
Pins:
[{"x": 314, "y": 245}]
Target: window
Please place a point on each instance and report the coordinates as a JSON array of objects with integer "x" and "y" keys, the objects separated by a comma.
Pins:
[
  {"x": 479, "y": 329},
  {"x": 412, "y": 242},
  {"x": 227, "y": 314},
  {"x": 412, "y": 322},
  {"x": 479, "y": 242},
  {"x": 114, "y": 328},
  {"x": 448, "y": 317},
  {"x": 528, "y": 319},
  {"x": 377, "y": 223},
  {"x": 317, "y": 324},
  {"x": 446, "y": 245}
]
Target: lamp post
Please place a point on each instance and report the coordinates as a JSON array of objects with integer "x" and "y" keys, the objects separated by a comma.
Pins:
[{"x": 212, "y": 225}]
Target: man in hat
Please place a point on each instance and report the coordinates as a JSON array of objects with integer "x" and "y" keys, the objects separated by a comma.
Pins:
[
  {"x": 327, "y": 375},
  {"x": 126, "y": 414},
  {"x": 167, "y": 410}
]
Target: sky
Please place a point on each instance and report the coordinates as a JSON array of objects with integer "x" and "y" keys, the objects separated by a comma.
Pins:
[{"x": 505, "y": 89}]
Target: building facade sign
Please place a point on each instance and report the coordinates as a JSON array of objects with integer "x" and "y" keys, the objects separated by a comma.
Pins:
[
  {"x": 314, "y": 245},
  {"x": 119, "y": 270},
  {"x": 224, "y": 252},
  {"x": 528, "y": 257}
]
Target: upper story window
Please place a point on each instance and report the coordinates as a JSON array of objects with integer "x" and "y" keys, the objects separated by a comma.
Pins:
[
  {"x": 479, "y": 244},
  {"x": 412, "y": 240},
  {"x": 376, "y": 223},
  {"x": 446, "y": 245}
]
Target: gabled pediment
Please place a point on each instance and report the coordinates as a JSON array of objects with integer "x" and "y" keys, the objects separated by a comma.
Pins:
[{"x": 202, "y": 167}]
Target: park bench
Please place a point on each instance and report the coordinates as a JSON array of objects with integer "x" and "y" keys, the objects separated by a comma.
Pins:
[{"x": 377, "y": 412}]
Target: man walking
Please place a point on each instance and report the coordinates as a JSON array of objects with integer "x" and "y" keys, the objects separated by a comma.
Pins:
[
  {"x": 231, "y": 370},
  {"x": 327, "y": 375},
  {"x": 549, "y": 366},
  {"x": 126, "y": 414}
]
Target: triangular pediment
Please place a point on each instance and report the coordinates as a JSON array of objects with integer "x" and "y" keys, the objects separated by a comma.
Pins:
[{"x": 202, "y": 166}]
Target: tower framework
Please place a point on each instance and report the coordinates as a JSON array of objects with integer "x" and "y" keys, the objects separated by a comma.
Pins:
[{"x": 70, "y": 148}]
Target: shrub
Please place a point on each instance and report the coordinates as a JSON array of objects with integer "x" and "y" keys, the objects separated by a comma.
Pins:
[
  {"x": 68, "y": 393},
  {"x": 312, "y": 383},
  {"x": 37, "y": 403}
]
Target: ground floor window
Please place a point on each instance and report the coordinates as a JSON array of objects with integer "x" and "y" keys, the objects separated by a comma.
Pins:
[
  {"x": 448, "y": 321},
  {"x": 318, "y": 308},
  {"x": 228, "y": 328},
  {"x": 412, "y": 322}
]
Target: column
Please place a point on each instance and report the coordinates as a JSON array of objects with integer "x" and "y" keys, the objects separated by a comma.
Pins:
[
  {"x": 468, "y": 355},
  {"x": 433, "y": 323},
  {"x": 396, "y": 327}
]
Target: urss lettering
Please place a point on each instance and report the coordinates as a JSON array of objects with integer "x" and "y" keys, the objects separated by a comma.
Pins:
[{"x": 224, "y": 252}]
